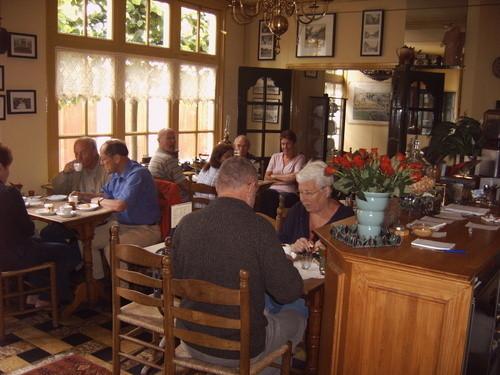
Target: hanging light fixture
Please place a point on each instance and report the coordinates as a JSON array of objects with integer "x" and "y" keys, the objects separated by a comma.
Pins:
[{"x": 275, "y": 13}]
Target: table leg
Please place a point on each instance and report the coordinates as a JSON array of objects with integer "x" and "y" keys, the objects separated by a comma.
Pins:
[{"x": 315, "y": 304}]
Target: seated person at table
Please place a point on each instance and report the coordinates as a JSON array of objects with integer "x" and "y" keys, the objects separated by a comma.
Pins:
[
  {"x": 315, "y": 208},
  {"x": 213, "y": 244},
  {"x": 91, "y": 178},
  {"x": 210, "y": 170},
  {"x": 165, "y": 163},
  {"x": 242, "y": 147},
  {"x": 282, "y": 169},
  {"x": 131, "y": 194},
  {"x": 18, "y": 248}
]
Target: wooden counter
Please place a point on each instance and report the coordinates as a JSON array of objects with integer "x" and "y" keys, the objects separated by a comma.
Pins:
[{"x": 401, "y": 310}]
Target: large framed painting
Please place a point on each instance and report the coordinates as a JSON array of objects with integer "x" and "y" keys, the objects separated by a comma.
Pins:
[
  {"x": 371, "y": 102},
  {"x": 372, "y": 32},
  {"x": 316, "y": 39}
]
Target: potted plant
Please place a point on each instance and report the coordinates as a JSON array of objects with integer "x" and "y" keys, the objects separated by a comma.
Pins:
[
  {"x": 460, "y": 139},
  {"x": 373, "y": 179}
]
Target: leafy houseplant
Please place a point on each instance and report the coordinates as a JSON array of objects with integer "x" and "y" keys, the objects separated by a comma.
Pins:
[
  {"x": 365, "y": 171},
  {"x": 462, "y": 138}
]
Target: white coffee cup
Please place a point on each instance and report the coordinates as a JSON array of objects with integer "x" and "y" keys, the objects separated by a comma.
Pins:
[
  {"x": 49, "y": 207},
  {"x": 73, "y": 199},
  {"x": 66, "y": 210},
  {"x": 77, "y": 166}
]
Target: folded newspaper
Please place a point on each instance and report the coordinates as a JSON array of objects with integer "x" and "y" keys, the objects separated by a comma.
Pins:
[{"x": 432, "y": 245}]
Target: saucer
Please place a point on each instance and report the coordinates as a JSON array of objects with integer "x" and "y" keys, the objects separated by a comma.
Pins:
[
  {"x": 87, "y": 207},
  {"x": 44, "y": 212},
  {"x": 61, "y": 214},
  {"x": 33, "y": 203}
]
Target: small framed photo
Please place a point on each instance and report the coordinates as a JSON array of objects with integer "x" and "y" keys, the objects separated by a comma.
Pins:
[
  {"x": 21, "y": 101},
  {"x": 316, "y": 39},
  {"x": 267, "y": 43},
  {"x": 23, "y": 45},
  {"x": 2, "y": 78},
  {"x": 2, "y": 107},
  {"x": 311, "y": 73},
  {"x": 372, "y": 32}
]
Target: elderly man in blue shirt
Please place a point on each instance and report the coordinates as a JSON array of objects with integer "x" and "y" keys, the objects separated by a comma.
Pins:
[{"x": 131, "y": 193}]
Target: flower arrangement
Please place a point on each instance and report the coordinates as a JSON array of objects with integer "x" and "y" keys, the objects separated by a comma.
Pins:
[{"x": 364, "y": 171}]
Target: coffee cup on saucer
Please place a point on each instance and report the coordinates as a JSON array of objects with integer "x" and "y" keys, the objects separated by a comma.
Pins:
[
  {"x": 66, "y": 210},
  {"x": 49, "y": 207}
]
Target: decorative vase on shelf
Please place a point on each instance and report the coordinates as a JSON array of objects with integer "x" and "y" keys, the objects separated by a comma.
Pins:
[{"x": 370, "y": 213}]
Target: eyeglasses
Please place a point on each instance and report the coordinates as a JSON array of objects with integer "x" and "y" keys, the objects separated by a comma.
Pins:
[{"x": 310, "y": 193}]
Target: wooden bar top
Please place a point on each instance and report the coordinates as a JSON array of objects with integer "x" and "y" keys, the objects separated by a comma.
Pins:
[{"x": 482, "y": 250}]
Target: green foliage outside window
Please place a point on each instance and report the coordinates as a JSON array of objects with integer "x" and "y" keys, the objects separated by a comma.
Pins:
[
  {"x": 189, "y": 30},
  {"x": 71, "y": 16},
  {"x": 137, "y": 21}
]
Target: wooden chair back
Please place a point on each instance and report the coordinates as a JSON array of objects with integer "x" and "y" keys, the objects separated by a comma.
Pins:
[
  {"x": 281, "y": 213},
  {"x": 197, "y": 200},
  {"x": 272, "y": 221},
  {"x": 14, "y": 290},
  {"x": 206, "y": 292}
]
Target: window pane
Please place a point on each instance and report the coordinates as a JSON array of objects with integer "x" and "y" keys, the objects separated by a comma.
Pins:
[
  {"x": 187, "y": 146},
  {"x": 255, "y": 115},
  {"x": 205, "y": 143},
  {"x": 189, "y": 29},
  {"x": 255, "y": 143},
  {"x": 135, "y": 115},
  {"x": 273, "y": 116},
  {"x": 187, "y": 115},
  {"x": 159, "y": 21},
  {"x": 100, "y": 113},
  {"x": 158, "y": 115},
  {"x": 66, "y": 152},
  {"x": 99, "y": 19},
  {"x": 136, "y": 21},
  {"x": 272, "y": 144},
  {"x": 137, "y": 146},
  {"x": 70, "y": 17},
  {"x": 71, "y": 117},
  {"x": 208, "y": 32},
  {"x": 152, "y": 144},
  {"x": 206, "y": 115}
]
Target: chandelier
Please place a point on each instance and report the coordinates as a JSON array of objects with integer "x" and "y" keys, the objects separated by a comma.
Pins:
[{"x": 275, "y": 13}]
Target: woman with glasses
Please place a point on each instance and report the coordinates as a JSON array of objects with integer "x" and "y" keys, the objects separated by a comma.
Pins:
[{"x": 315, "y": 208}]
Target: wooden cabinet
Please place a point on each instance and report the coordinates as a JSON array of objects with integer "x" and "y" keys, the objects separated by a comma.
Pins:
[{"x": 399, "y": 310}]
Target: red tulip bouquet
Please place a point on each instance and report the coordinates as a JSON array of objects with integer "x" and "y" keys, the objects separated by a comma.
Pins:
[{"x": 364, "y": 171}]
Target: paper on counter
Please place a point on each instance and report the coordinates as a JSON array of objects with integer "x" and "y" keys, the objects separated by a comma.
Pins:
[
  {"x": 311, "y": 273},
  {"x": 481, "y": 226},
  {"x": 178, "y": 211},
  {"x": 437, "y": 220},
  {"x": 471, "y": 210},
  {"x": 449, "y": 215},
  {"x": 433, "y": 245}
]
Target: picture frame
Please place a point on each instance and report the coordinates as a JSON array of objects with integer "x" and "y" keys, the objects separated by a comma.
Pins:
[
  {"x": 23, "y": 45},
  {"x": 21, "y": 101},
  {"x": 2, "y": 78},
  {"x": 316, "y": 39},
  {"x": 267, "y": 43},
  {"x": 272, "y": 113},
  {"x": 2, "y": 107},
  {"x": 372, "y": 32},
  {"x": 371, "y": 103},
  {"x": 311, "y": 74}
]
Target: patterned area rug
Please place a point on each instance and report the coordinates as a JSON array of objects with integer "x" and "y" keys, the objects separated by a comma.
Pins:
[{"x": 69, "y": 365}]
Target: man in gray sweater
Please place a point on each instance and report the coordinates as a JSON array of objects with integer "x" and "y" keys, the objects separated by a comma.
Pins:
[{"x": 215, "y": 243}]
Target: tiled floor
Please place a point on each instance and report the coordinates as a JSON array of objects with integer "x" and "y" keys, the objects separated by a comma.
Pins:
[{"x": 31, "y": 339}]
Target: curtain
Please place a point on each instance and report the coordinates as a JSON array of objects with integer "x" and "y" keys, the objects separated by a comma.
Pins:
[
  {"x": 147, "y": 79},
  {"x": 197, "y": 83}
]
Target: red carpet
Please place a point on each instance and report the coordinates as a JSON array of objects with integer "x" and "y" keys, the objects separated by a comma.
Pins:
[{"x": 70, "y": 365}]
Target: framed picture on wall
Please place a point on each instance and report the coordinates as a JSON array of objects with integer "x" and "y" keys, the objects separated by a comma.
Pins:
[
  {"x": 371, "y": 102},
  {"x": 23, "y": 45},
  {"x": 2, "y": 107},
  {"x": 21, "y": 101},
  {"x": 316, "y": 39},
  {"x": 267, "y": 43},
  {"x": 2, "y": 78},
  {"x": 372, "y": 32}
]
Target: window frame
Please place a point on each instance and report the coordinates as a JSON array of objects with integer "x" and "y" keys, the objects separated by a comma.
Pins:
[{"x": 118, "y": 45}]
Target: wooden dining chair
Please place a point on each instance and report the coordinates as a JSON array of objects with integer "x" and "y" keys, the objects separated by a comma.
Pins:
[
  {"x": 281, "y": 213},
  {"x": 14, "y": 289},
  {"x": 143, "y": 310},
  {"x": 200, "y": 201},
  {"x": 206, "y": 292},
  {"x": 272, "y": 221}
]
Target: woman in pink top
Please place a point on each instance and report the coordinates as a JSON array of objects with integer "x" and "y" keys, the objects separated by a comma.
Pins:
[{"x": 281, "y": 170}]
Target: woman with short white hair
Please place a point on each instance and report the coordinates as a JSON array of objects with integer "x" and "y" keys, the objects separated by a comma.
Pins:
[{"x": 315, "y": 208}]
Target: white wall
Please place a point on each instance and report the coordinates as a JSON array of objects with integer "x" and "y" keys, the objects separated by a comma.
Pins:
[{"x": 26, "y": 134}]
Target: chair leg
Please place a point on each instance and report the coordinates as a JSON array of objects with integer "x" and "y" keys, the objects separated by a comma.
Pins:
[
  {"x": 286, "y": 360},
  {"x": 2, "y": 312},
  {"x": 116, "y": 345},
  {"x": 53, "y": 297}
]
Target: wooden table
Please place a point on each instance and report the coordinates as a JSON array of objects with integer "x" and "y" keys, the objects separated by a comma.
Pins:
[
  {"x": 84, "y": 224},
  {"x": 313, "y": 294}
]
